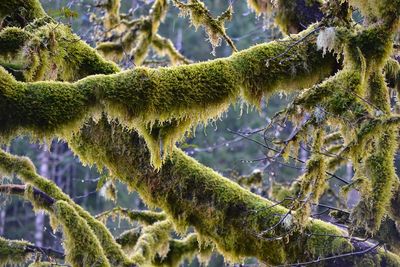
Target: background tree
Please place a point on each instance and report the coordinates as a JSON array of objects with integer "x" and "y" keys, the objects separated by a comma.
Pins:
[{"x": 129, "y": 122}]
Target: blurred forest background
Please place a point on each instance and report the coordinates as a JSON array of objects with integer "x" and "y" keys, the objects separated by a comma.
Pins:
[{"x": 218, "y": 145}]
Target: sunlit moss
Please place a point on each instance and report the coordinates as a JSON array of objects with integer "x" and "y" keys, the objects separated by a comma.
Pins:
[
  {"x": 148, "y": 99},
  {"x": 42, "y": 264}
]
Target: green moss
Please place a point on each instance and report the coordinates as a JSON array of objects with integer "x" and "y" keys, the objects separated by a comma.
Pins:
[
  {"x": 179, "y": 250},
  {"x": 128, "y": 239},
  {"x": 153, "y": 240},
  {"x": 134, "y": 37},
  {"x": 12, "y": 40},
  {"x": 112, "y": 18},
  {"x": 146, "y": 217},
  {"x": 169, "y": 99},
  {"x": 81, "y": 244},
  {"x": 51, "y": 51},
  {"x": 164, "y": 47},
  {"x": 323, "y": 236},
  {"x": 392, "y": 73},
  {"x": 29, "y": 10},
  {"x": 24, "y": 168},
  {"x": 193, "y": 195},
  {"x": 13, "y": 252},
  {"x": 43, "y": 264},
  {"x": 201, "y": 16},
  {"x": 379, "y": 167}
]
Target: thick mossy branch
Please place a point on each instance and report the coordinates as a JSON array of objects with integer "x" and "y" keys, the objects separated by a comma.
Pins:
[
  {"x": 25, "y": 170},
  {"x": 13, "y": 252},
  {"x": 81, "y": 244},
  {"x": 193, "y": 195},
  {"x": 183, "y": 96}
]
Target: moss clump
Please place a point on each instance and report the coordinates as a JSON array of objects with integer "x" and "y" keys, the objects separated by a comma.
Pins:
[
  {"x": 12, "y": 40},
  {"x": 153, "y": 240},
  {"x": 201, "y": 16},
  {"x": 19, "y": 12},
  {"x": 128, "y": 240},
  {"x": 13, "y": 252},
  {"x": 80, "y": 242},
  {"x": 179, "y": 250},
  {"x": 379, "y": 167}
]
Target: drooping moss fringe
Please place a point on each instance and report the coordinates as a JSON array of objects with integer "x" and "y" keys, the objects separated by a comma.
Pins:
[
  {"x": 193, "y": 195},
  {"x": 162, "y": 104}
]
